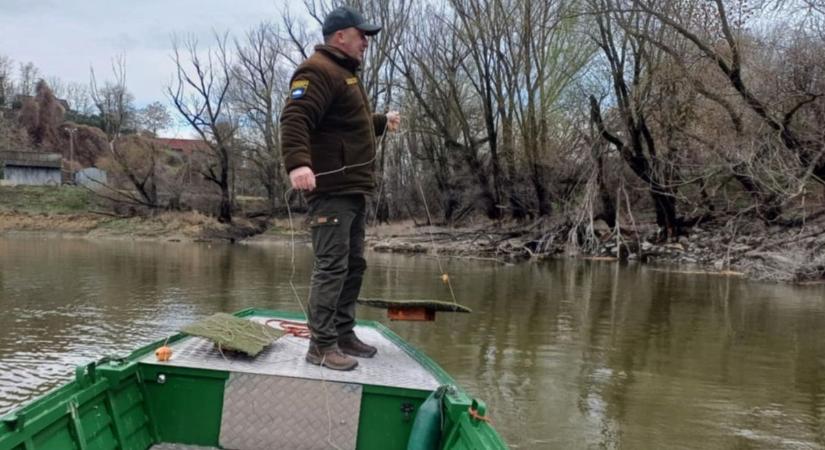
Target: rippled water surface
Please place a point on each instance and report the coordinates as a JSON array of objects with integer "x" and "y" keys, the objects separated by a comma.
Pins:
[{"x": 567, "y": 354}]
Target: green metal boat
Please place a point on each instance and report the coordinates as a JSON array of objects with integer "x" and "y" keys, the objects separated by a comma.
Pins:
[{"x": 202, "y": 398}]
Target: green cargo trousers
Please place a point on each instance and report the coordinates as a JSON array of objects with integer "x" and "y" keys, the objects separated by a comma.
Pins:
[{"x": 338, "y": 227}]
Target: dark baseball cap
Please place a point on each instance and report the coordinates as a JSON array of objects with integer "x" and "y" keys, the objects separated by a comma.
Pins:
[{"x": 345, "y": 17}]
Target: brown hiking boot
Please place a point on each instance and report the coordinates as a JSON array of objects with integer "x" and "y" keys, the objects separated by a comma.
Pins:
[
  {"x": 351, "y": 345},
  {"x": 331, "y": 358}
]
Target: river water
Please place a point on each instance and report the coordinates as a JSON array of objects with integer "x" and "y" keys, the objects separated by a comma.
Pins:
[{"x": 567, "y": 354}]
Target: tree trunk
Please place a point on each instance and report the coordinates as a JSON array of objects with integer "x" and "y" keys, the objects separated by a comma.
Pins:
[
  {"x": 541, "y": 190},
  {"x": 665, "y": 204},
  {"x": 225, "y": 214},
  {"x": 608, "y": 213}
]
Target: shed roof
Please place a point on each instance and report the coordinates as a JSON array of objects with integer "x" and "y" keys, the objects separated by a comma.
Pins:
[{"x": 31, "y": 159}]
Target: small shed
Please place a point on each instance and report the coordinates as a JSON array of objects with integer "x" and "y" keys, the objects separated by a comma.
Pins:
[{"x": 32, "y": 168}]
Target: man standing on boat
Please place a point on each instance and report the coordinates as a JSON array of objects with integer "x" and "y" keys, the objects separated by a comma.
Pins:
[{"x": 328, "y": 138}]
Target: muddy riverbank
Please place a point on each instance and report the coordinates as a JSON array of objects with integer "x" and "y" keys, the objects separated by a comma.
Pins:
[{"x": 729, "y": 247}]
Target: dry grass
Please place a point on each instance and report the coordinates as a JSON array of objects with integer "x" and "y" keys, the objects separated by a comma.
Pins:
[
  {"x": 185, "y": 226},
  {"x": 69, "y": 223}
]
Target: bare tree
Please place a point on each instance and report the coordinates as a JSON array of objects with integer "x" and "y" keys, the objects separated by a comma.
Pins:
[
  {"x": 132, "y": 158},
  {"x": 80, "y": 102},
  {"x": 200, "y": 95},
  {"x": 728, "y": 57},
  {"x": 431, "y": 63},
  {"x": 154, "y": 117},
  {"x": 549, "y": 56},
  {"x": 6, "y": 81},
  {"x": 300, "y": 40},
  {"x": 57, "y": 85},
  {"x": 113, "y": 100},
  {"x": 722, "y": 136},
  {"x": 632, "y": 62},
  {"x": 482, "y": 26},
  {"x": 27, "y": 78},
  {"x": 258, "y": 94},
  {"x": 135, "y": 159}
]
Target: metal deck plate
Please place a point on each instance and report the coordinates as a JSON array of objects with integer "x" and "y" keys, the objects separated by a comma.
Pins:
[
  {"x": 262, "y": 412},
  {"x": 392, "y": 366}
]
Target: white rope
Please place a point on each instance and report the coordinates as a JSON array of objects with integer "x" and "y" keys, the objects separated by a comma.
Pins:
[
  {"x": 444, "y": 275},
  {"x": 292, "y": 258},
  {"x": 292, "y": 226},
  {"x": 326, "y": 401}
]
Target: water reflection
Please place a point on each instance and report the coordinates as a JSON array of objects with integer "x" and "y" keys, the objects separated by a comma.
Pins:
[{"x": 566, "y": 354}]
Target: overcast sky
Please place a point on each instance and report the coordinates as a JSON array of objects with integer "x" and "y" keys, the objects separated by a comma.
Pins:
[{"x": 63, "y": 38}]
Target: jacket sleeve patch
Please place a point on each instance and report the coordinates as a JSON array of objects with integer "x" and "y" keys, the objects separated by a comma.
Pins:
[
  {"x": 298, "y": 89},
  {"x": 352, "y": 80}
]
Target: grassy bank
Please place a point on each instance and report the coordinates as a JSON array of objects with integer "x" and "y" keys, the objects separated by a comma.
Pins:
[
  {"x": 48, "y": 200},
  {"x": 78, "y": 211}
]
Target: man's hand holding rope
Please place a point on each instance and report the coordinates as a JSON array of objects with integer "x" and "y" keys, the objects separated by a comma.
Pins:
[
  {"x": 393, "y": 121},
  {"x": 302, "y": 178}
]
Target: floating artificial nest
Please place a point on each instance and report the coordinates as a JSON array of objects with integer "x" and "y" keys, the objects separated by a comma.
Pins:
[
  {"x": 234, "y": 333},
  {"x": 414, "y": 310},
  {"x": 435, "y": 305}
]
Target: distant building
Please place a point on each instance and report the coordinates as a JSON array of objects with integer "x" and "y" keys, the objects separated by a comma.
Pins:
[
  {"x": 185, "y": 146},
  {"x": 32, "y": 168}
]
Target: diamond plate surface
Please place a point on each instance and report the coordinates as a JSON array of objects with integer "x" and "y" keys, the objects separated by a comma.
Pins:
[
  {"x": 392, "y": 366},
  {"x": 262, "y": 412}
]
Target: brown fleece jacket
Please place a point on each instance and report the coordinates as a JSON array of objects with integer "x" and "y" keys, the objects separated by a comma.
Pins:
[{"x": 327, "y": 124}]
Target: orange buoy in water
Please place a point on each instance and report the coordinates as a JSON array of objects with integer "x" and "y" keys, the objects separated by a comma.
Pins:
[{"x": 163, "y": 353}]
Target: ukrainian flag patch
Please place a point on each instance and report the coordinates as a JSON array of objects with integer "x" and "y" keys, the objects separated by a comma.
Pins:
[{"x": 298, "y": 89}]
